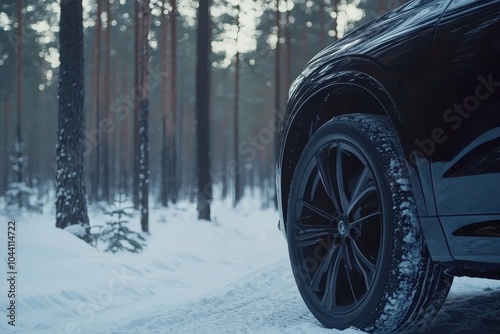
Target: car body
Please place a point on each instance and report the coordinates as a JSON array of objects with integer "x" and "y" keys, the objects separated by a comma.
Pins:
[{"x": 432, "y": 68}]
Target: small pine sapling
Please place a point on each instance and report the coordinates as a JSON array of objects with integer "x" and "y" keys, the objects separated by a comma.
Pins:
[
  {"x": 115, "y": 236},
  {"x": 19, "y": 195}
]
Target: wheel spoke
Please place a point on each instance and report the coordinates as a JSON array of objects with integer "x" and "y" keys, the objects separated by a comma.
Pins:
[
  {"x": 340, "y": 179},
  {"x": 362, "y": 264},
  {"x": 316, "y": 209},
  {"x": 361, "y": 182},
  {"x": 325, "y": 176},
  {"x": 347, "y": 257},
  {"x": 348, "y": 269},
  {"x": 322, "y": 268},
  {"x": 358, "y": 222},
  {"x": 331, "y": 281},
  {"x": 309, "y": 235},
  {"x": 370, "y": 188}
]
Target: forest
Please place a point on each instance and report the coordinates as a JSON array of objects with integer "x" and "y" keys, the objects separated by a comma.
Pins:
[{"x": 181, "y": 100}]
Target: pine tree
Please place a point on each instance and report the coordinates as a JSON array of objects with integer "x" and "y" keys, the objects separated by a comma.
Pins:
[
  {"x": 144, "y": 120},
  {"x": 106, "y": 183},
  {"x": 137, "y": 56},
  {"x": 237, "y": 183},
  {"x": 277, "y": 78},
  {"x": 8, "y": 74},
  {"x": 203, "y": 109},
  {"x": 115, "y": 236},
  {"x": 71, "y": 208},
  {"x": 288, "y": 47},
  {"x": 124, "y": 149},
  {"x": 96, "y": 170},
  {"x": 321, "y": 23},
  {"x": 20, "y": 159},
  {"x": 172, "y": 112},
  {"x": 165, "y": 187}
]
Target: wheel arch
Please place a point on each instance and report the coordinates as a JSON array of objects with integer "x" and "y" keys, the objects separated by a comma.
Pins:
[{"x": 340, "y": 93}]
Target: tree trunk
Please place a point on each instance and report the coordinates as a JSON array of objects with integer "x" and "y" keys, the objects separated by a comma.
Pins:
[
  {"x": 321, "y": 24},
  {"x": 96, "y": 171},
  {"x": 288, "y": 46},
  {"x": 226, "y": 139},
  {"x": 237, "y": 182},
  {"x": 277, "y": 64},
  {"x": 174, "y": 191},
  {"x": 137, "y": 93},
  {"x": 6, "y": 141},
  {"x": 71, "y": 207},
  {"x": 277, "y": 86},
  {"x": 116, "y": 134},
  {"x": 19, "y": 141},
  {"x": 202, "y": 110},
  {"x": 125, "y": 147},
  {"x": 143, "y": 121},
  {"x": 165, "y": 177},
  {"x": 381, "y": 6},
  {"x": 164, "y": 163},
  {"x": 106, "y": 192}
]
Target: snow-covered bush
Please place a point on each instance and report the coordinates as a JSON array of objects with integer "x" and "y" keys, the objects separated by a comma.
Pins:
[{"x": 20, "y": 196}]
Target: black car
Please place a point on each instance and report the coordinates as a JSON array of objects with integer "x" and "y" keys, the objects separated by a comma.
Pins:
[{"x": 388, "y": 167}]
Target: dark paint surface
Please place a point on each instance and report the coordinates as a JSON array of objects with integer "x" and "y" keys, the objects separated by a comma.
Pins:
[
  {"x": 392, "y": 52},
  {"x": 465, "y": 110},
  {"x": 419, "y": 62}
]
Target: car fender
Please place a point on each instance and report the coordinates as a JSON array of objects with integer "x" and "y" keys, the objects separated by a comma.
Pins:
[{"x": 317, "y": 94}]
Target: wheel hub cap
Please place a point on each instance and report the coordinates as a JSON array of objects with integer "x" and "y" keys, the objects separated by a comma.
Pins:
[{"x": 342, "y": 227}]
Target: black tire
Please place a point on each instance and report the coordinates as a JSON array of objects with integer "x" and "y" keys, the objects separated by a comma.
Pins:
[{"x": 356, "y": 246}]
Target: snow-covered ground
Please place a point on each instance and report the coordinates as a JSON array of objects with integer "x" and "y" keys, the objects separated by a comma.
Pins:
[{"x": 231, "y": 275}]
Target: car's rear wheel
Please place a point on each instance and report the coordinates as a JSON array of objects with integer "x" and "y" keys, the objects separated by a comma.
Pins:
[{"x": 356, "y": 247}]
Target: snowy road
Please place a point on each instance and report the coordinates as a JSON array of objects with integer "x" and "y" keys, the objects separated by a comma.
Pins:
[
  {"x": 266, "y": 302},
  {"x": 231, "y": 276},
  {"x": 269, "y": 303},
  {"x": 473, "y": 306}
]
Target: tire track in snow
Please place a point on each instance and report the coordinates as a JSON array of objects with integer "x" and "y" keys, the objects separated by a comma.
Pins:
[
  {"x": 475, "y": 312},
  {"x": 268, "y": 302},
  {"x": 265, "y": 302}
]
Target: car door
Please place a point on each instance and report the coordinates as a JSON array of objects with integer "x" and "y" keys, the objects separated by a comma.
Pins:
[{"x": 464, "y": 134}]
